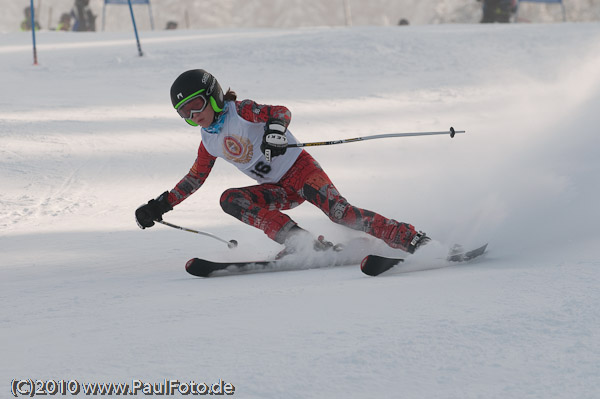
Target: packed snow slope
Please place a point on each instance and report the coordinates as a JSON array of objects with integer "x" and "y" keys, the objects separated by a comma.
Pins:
[{"x": 89, "y": 134}]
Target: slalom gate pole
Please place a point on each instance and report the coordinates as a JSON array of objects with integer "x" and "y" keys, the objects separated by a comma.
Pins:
[
  {"x": 33, "y": 34},
  {"x": 137, "y": 38},
  {"x": 230, "y": 244},
  {"x": 451, "y": 132}
]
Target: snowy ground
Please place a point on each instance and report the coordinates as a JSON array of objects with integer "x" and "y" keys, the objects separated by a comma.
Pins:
[{"x": 89, "y": 134}]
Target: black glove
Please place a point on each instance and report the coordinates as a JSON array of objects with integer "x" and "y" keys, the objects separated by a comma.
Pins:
[
  {"x": 146, "y": 214},
  {"x": 274, "y": 142}
]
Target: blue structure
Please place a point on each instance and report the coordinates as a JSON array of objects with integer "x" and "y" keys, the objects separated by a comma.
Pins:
[
  {"x": 128, "y": 2},
  {"x": 33, "y": 34},
  {"x": 545, "y": 1}
]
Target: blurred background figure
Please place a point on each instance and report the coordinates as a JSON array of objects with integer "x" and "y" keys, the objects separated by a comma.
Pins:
[
  {"x": 171, "y": 25},
  {"x": 85, "y": 20},
  {"x": 65, "y": 22},
  {"x": 497, "y": 10},
  {"x": 26, "y": 24}
]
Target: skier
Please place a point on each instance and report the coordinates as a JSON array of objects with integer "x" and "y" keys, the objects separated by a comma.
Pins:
[
  {"x": 242, "y": 132},
  {"x": 65, "y": 22},
  {"x": 497, "y": 10},
  {"x": 85, "y": 20},
  {"x": 26, "y": 24}
]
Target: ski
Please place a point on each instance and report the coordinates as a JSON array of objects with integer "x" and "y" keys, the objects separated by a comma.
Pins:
[
  {"x": 374, "y": 265},
  {"x": 458, "y": 254},
  {"x": 351, "y": 254},
  {"x": 207, "y": 268}
]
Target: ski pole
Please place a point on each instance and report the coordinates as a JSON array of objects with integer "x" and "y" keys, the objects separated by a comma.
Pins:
[
  {"x": 230, "y": 243},
  {"x": 451, "y": 132}
]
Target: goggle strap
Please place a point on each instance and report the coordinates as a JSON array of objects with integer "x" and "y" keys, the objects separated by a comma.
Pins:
[{"x": 214, "y": 105}]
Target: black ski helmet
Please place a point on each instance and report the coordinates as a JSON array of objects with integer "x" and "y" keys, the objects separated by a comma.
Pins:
[{"x": 194, "y": 82}]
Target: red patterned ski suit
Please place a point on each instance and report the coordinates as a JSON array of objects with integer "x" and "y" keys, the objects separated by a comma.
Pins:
[{"x": 261, "y": 205}]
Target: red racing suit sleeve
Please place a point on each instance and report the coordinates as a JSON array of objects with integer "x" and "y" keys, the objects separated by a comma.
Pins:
[
  {"x": 195, "y": 178},
  {"x": 253, "y": 112}
]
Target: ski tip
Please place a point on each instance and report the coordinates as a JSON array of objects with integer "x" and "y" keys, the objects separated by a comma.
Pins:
[
  {"x": 374, "y": 265},
  {"x": 195, "y": 267},
  {"x": 189, "y": 263},
  {"x": 363, "y": 266}
]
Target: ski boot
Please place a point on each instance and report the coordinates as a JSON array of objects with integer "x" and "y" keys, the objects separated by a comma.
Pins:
[
  {"x": 418, "y": 240},
  {"x": 404, "y": 236},
  {"x": 319, "y": 245}
]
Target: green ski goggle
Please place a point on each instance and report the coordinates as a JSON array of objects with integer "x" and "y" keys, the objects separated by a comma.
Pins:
[{"x": 194, "y": 103}]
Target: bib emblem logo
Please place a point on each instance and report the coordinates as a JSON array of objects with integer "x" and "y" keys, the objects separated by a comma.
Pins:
[{"x": 237, "y": 149}]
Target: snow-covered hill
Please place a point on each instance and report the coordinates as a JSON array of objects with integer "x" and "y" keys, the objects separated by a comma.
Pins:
[{"x": 89, "y": 134}]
